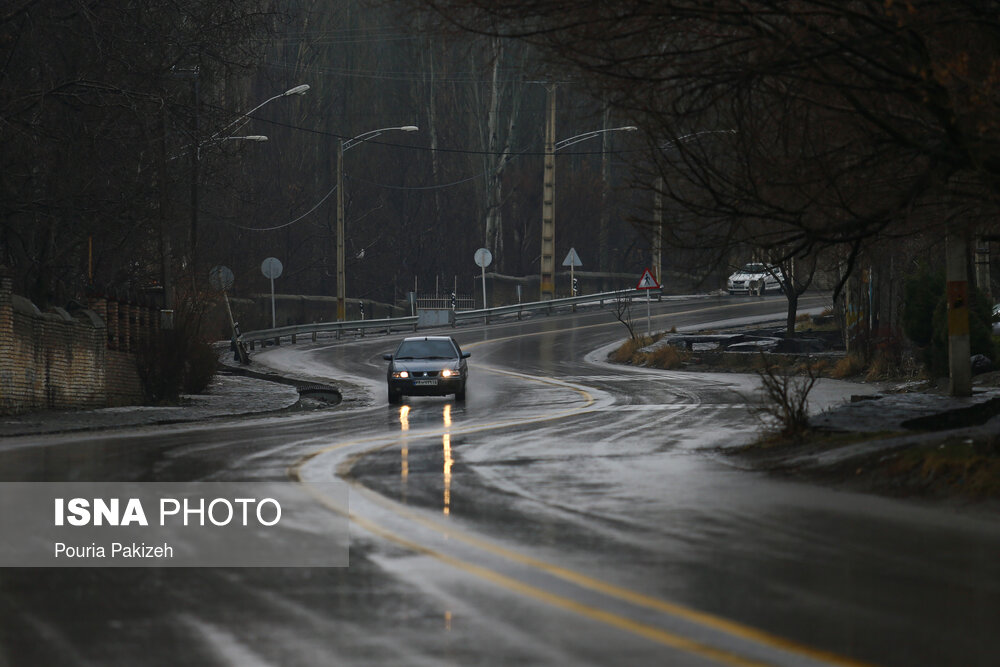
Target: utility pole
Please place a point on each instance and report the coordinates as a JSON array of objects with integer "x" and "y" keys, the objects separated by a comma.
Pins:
[
  {"x": 341, "y": 288},
  {"x": 548, "y": 262},
  {"x": 604, "y": 221},
  {"x": 658, "y": 230},
  {"x": 195, "y": 159}
]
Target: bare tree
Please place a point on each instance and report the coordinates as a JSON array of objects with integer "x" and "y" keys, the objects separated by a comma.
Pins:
[
  {"x": 845, "y": 118},
  {"x": 784, "y": 400},
  {"x": 623, "y": 313}
]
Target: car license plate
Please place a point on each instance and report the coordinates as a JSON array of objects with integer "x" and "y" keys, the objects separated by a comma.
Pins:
[{"x": 425, "y": 383}]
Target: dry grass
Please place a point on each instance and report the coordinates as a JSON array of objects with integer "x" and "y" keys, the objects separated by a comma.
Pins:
[
  {"x": 849, "y": 366},
  {"x": 817, "y": 367},
  {"x": 629, "y": 350},
  {"x": 968, "y": 467},
  {"x": 667, "y": 357}
]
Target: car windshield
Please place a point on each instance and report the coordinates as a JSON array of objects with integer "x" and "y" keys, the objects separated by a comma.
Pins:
[
  {"x": 754, "y": 268},
  {"x": 426, "y": 349}
]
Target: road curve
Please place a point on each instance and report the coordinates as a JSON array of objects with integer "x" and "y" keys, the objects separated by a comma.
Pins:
[{"x": 570, "y": 512}]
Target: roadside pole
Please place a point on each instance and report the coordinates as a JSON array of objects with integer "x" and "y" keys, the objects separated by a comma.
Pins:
[
  {"x": 483, "y": 257},
  {"x": 572, "y": 261},
  {"x": 648, "y": 282},
  {"x": 221, "y": 279},
  {"x": 649, "y": 318},
  {"x": 271, "y": 268}
]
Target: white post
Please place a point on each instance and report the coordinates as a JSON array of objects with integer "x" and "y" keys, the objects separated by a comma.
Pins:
[
  {"x": 572, "y": 282},
  {"x": 273, "y": 325},
  {"x": 649, "y": 319},
  {"x": 486, "y": 318}
]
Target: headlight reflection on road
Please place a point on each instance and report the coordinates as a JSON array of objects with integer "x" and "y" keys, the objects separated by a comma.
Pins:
[
  {"x": 404, "y": 452},
  {"x": 446, "y": 445}
]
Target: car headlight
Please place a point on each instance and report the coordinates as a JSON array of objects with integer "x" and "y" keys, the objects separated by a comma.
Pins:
[
  {"x": 447, "y": 373},
  {"x": 401, "y": 374}
]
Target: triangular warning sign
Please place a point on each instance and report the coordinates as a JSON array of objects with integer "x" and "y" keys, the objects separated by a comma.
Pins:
[
  {"x": 572, "y": 258},
  {"x": 647, "y": 281}
]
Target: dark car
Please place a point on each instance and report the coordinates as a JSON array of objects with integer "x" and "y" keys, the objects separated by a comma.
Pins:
[{"x": 427, "y": 366}]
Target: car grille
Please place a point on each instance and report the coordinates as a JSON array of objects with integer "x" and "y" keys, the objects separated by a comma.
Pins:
[{"x": 424, "y": 374}]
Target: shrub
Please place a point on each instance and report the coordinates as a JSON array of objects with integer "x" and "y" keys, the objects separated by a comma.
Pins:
[
  {"x": 980, "y": 332},
  {"x": 177, "y": 360},
  {"x": 921, "y": 293},
  {"x": 200, "y": 367},
  {"x": 925, "y": 319},
  {"x": 784, "y": 402},
  {"x": 668, "y": 357}
]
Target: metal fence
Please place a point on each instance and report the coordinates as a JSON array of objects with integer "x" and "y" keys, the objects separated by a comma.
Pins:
[
  {"x": 462, "y": 302},
  {"x": 486, "y": 315}
]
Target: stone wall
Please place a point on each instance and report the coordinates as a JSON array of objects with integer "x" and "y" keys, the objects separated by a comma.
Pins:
[{"x": 62, "y": 360}]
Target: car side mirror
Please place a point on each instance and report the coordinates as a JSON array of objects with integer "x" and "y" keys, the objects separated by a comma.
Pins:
[
  {"x": 466, "y": 355},
  {"x": 387, "y": 357}
]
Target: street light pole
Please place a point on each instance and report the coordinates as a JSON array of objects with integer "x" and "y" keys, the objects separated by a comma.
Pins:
[
  {"x": 548, "y": 262},
  {"x": 244, "y": 118},
  {"x": 215, "y": 138},
  {"x": 547, "y": 282},
  {"x": 341, "y": 269},
  {"x": 341, "y": 272}
]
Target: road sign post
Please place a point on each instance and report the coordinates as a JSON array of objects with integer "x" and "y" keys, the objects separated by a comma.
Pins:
[
  {"x": 271, "y": 268},
  {"x": 572, "y": 261},
  {"x": 648, "y": 282},
  {"x": 483, "y": 258},
  {"x": 221, "y": 278}
]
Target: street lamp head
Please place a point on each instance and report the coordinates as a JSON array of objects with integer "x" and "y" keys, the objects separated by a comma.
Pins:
[
  {"x": 297, "y": 90},
  {"x": 408, "y": 128},
  {"x": 629, "y": 128},
  {"x": 253, "y": 137}
]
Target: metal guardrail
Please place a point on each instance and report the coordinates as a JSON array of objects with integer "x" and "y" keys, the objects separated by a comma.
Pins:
[{"x": 388, "y": 325}]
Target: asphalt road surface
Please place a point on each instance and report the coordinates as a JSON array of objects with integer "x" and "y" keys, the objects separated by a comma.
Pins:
[{"x": 570, "y": 512}]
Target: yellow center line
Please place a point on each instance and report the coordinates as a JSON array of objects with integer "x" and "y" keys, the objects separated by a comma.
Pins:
[
  {"x": 650, "y": 632},
  {"x": 705, "y": 619}
]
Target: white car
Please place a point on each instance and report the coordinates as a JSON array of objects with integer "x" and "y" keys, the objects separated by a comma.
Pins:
[{"x": 755, "y": 278}]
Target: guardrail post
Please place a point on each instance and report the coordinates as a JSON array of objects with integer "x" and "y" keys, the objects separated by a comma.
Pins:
[
  {"x": 251, "y": 344},
  {"x": 277, "y": 341},
  {"x": 314, "y": 337},
  {"x": 293, "y": 339}
]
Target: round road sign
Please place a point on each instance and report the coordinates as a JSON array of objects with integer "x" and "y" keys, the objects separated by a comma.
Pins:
[
  {"x": 483, "y": 258},
  {"x": 271, "y": 268},
  {"x": 220, "y": 278}
]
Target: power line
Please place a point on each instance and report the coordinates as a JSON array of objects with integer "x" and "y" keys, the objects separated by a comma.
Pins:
[{"x": 412, "y": 77}]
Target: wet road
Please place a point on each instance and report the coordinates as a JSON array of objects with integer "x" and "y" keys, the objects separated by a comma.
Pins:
[{"x": 570, "y": 512}]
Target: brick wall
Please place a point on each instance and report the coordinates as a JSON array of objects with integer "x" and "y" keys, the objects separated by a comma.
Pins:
[{"x": 58, "y": 360}]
